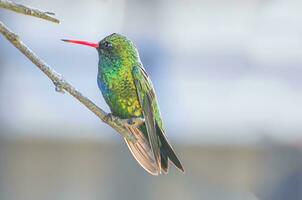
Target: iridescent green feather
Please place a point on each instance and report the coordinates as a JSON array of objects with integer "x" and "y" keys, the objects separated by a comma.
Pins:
[{"x": 128, "y": 91}]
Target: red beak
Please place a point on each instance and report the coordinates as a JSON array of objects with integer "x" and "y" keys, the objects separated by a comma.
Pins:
[{"x": 94, "y": 45}]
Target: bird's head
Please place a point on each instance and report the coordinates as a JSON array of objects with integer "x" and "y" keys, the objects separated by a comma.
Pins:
[{"x": 114, "y": 46}]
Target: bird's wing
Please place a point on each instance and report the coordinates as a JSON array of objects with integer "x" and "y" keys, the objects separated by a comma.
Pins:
[{"x": 147, "y": 101}]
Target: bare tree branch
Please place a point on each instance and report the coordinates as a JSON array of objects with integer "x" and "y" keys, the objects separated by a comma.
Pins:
[
  {"x": 120, "y": 125},
  {"x": 27, "y": 10}
]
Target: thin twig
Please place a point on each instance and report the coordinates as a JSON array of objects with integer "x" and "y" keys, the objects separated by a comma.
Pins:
[
  {"x": 28, "y": 10},
  {"x": 62, "y": 85}
]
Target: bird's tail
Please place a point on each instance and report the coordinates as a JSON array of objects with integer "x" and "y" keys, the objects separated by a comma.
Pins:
[
  {"x": 167, "y": 153},
  {"x": 142, "y": 152}
]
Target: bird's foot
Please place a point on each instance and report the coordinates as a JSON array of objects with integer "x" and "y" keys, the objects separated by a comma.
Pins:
[
  {"x": 59, "y": 87},
  {"x": 125, "y": 122},
  {"x": 131, "y": 123},
  {"x": 111, "y": 117},
  {"x": 134, "y": 121}
]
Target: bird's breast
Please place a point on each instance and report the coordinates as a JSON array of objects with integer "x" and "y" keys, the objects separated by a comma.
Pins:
[{"x": 119, "y": 92}]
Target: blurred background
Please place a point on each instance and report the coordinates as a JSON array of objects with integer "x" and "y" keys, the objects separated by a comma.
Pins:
[{"x": 228, "y": 78}]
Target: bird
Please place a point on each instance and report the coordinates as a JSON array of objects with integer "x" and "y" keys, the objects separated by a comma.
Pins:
[{"x": 129, "y": 93}]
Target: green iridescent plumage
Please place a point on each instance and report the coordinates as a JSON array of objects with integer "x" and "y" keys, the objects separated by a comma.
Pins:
[
  {"x": 128, "y": 91},
  {"x": 116, "y": 59}
]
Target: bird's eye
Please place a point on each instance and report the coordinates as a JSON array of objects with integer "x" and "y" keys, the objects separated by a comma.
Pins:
[{"x": 107, "y": 45}]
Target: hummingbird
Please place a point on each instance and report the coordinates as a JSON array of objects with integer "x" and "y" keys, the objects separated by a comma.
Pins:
[{"x": 129, "y": 93}]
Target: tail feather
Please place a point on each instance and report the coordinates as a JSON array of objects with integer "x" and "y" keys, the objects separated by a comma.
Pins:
[
  {"x": 164, "y": 161},
  {"x": 142, "y": 151},
  {"x": 168, "y": 150}
]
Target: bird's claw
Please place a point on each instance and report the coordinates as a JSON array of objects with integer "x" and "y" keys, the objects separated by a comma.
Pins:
[
  {"x": 135, "y": 121},
  {"x": 59, "y": 87},
  {"x": 111, "y": 117},
  {"x": 130, "y": 121},
  {"x": 125, "y": 122}
]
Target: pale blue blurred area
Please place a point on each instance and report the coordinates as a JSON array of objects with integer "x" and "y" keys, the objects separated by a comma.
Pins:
[
  {"x": 222, "y": 69},
  {"x": 228, "y": 79}
]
